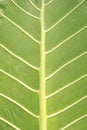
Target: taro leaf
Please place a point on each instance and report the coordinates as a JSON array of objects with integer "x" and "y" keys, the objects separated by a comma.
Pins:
[{"x": 43, "y": 65}]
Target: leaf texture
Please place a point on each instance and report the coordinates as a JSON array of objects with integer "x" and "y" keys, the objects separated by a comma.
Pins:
[{"x": 43, "y": 65}]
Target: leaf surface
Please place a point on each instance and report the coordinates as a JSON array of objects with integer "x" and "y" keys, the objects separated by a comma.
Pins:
[{"x": 43, "y": 65}]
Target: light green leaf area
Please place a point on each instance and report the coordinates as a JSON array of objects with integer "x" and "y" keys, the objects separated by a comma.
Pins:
[{"x": 43, "y": 64}]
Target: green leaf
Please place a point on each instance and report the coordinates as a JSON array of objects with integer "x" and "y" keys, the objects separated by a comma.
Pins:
[{"x": 43, "y": 65}]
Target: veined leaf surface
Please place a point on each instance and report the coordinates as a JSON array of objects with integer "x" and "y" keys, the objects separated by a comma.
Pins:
[{"x": 43, "y": 65}]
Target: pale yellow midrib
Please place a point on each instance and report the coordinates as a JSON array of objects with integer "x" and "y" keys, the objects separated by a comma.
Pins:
[{"x": 42, "y": 93}]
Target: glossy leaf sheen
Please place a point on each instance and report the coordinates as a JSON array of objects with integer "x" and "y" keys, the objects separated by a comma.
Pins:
[{"x": 43, "y": 65}]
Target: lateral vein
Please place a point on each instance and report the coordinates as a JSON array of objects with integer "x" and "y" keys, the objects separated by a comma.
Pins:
[
  {"x": 63, "y": 66},
  {"x": 9, "y": 123},
  {"x": 19, "y": 105},
  {"x": 34, "y": 5},
  {"x": 65, "y": 16},
  {"x": 66, "y": 86},
  {"x": 49, "y": 2},
  {"x": 73, "y": 122},
  {"x": 66, "y": 108},
  {"x": 67, "y": 39},
  {"x": 19, "y": 58},
  {"x": 26, "y": 12},
  {"x": 20, "y": 28},
  {"x": 19, "y": 81}
]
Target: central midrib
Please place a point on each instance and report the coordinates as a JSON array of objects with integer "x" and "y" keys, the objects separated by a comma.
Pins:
[{"x": 42, "y": 93}]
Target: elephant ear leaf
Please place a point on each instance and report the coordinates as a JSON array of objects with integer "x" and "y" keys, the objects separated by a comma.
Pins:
[{"x": 43, "y": 65}]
